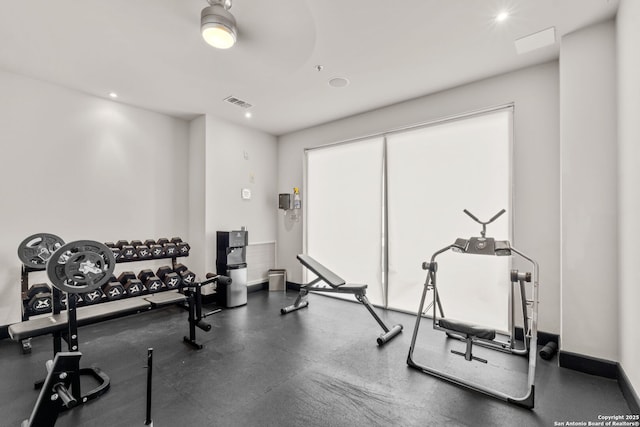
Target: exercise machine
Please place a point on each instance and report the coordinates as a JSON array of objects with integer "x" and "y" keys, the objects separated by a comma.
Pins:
[
  {"x": 472, "y": 334},
  {"x": 194, "y": 305},
  {"x": 337, "y": 285}
]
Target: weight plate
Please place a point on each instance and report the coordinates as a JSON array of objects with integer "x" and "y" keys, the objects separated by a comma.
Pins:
[
  {"x": 81, "y": 266},
  {"x": 35, "y": 250}
]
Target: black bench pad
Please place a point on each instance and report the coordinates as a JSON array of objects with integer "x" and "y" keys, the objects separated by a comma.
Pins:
[
  {"x": 345, "y": 289},
  {"x": 86, "y": 315},
  {"x": 467, "y": 329},
  {"x": 321, "y": 271}
]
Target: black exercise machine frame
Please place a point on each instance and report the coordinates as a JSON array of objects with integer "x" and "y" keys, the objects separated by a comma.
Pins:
[
  {"x": 339, "y": 286},
  {"x": 193, "y": 293},
  {"x": 471, "y": 334}
]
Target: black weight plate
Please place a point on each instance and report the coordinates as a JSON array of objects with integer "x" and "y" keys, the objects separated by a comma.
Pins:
[
  {"x": 81, "y": 266},
  {"x": 35, "y": 250}
]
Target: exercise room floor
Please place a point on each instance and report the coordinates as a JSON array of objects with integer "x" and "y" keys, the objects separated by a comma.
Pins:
[{"x": 319, "y": 366}]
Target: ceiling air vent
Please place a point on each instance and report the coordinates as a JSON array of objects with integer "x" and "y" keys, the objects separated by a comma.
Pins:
[{"x": 239, "y": 102}]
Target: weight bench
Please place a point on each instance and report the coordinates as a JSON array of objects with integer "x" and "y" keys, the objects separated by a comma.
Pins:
[
  {"x": 87, "y": 315},
  {"x": 469, "y": 332},
  {"x": 337, "y": 285}
]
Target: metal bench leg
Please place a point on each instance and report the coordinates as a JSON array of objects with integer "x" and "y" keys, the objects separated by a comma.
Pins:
[
  {"x": 388, "y": 334},
  {"x": 301, "y": 302}
]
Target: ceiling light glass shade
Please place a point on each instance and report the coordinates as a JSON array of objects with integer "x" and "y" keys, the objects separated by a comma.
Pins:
[{"x": 218, "y": 27}]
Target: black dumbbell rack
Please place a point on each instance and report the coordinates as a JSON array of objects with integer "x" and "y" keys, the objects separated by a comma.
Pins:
[{"x": 57, "y": 296}]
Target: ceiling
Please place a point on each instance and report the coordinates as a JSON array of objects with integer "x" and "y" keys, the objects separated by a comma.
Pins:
[{"x": 151, "y": 54}]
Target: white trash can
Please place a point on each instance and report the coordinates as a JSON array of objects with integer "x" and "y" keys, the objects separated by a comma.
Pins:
[{"x": 278, "y": 280}]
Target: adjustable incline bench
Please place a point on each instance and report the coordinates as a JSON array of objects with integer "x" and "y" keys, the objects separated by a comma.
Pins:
[{"x": 337, "y": 285}]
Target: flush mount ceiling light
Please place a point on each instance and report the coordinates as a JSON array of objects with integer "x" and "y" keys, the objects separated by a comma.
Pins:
[{"x": 218, "y": 25}]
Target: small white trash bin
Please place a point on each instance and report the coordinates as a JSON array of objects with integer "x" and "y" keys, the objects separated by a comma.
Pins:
[{"x": 278, "y": 280}]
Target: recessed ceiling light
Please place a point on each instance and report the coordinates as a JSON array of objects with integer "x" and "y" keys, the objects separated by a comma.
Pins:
[
  {"x": 247, "y": 114},
  {"x": 502, "y": 16},
  {"x": 113, "y": 95},
  {"x": 338, "y": 82}
]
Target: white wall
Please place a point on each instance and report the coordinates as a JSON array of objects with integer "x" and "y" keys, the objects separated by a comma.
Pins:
[
  {"x": 534, "y": 91},
  {"x": 237, "y": 157},
  {"x": 588, "y": 169},
  {"x": 628, "y": 36},
  {"x": 197, "y": 196},
  {"x": 83, "y": 167}
]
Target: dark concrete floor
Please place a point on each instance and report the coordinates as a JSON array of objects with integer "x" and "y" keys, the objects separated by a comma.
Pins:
[{"x": 319, "y": 366}]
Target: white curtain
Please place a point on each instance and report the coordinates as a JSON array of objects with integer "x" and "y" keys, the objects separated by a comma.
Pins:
[
  {"x": 433, "y": 173},
  {"x": 343, "y": 211}
]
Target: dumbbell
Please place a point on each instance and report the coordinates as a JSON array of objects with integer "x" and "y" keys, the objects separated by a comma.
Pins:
[
  {"x": 127, "y": 251},
  {"x": 113, "y": 289},
  {"x": 63, "y": 300},
  {"x": 39, "y": 299},
  {"x": 170, "y": 278},
  {"x": 143, "y": 252},
  {"x": 188, "y": 276},
  {"x": 157, "y": 251},
  {"x": 115, "y": 249},
  {"x": 132, "y": 285},
  {"x": 183, "y": 247},
  {"x": 92, "y": 297},
  {"x": 151, "y": 281},
  {"x": 170, "y": 249}
]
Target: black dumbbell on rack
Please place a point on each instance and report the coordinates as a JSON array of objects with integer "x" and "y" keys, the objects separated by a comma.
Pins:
[
  {"x": 38, "y": 299},
  {"x": 188, "y": 277},
  {"x": 170, "y": 278},
  {"x": 127, "y": 251},
  {"x": 115, "y": 249},
  {"x": 113, "y": 289},
  {"x": 92, "y": 297},
  {"x": 170, "y": 248},
  {"x": 156, "y": 250},
  {"x": 142, "y": 249},
  {"x": 183, "y": 247},
  {"x": 151, "y": 281},
  {"x": 132, "y": 285}
]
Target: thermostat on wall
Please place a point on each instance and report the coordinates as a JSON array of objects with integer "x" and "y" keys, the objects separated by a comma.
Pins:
[{"x": 246, "y": 194}]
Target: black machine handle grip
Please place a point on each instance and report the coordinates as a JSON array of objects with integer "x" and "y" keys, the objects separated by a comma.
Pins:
[
  {"x": 203, "y": 325},
  {"x": 484, "y": 224},
  {"x": 473, "y": 217},
  {"x": 496, "y": 216},
  {"x": 213, "y": 277}
]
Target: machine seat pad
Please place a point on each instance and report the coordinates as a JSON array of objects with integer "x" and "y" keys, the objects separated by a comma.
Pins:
[
  {"x": 321, "y": 271},
  {"x": 467, "y": 329},
  {"x": 86, "y": 315}
]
